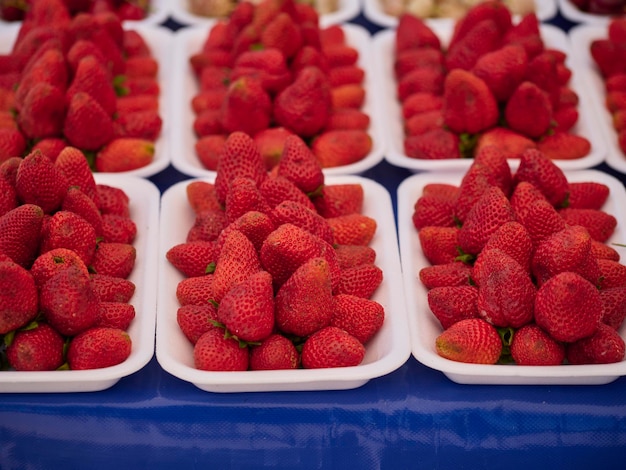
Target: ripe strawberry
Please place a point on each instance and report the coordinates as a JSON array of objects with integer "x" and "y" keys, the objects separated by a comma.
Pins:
[
  {"x": 423, "y": 122},
  {"x": 276, "y": 189},
  {"x": 351, "y": 96},
  {"x": 50, "y": 147},
  {"x": 12, "y": 143},
  {"x": 282, "y": 33},
  {"x": 612, "y": 274},
  {"x": 118, "y": 229},
  {"x": 439, "y": 244},
  {"x": 564, "y": 146},
  {"x": 124, "y": 154},
  {"x": 605, "y": 55},
  {"x": 360, "y": 317},
  {"x": 565, "y": 118},
  {"x": 304, "y": 106},
  {"x": 502, "y": 70},
  {"x": 82, "y": 48},
  {"x": 271, "y": 143},
  {"x": 350, "y": 256},
  {"x": 413, "y": 32},
  {"x": 529, "y": 111},
  {"x": 19, "y": 300},
  {"x": 415, "y": 58},
  {"x": 68, "y": 230},
  {"x": 304, "y": 217},
  {"x": 512, "y": 143},
  {"x": 613, "y": 306},
  {"x": 207, "y": 226},
  {"x": 543, "y": 71},
  {"x": 216, "y": 352},
  {"x": 421, "y": 80},
  {"x": 603, "y": 251},
  {"x": 72, "y": 163},
  {"x": 20, "y": 230},
  {"x": 49, "y": 263},
  {"x": 436, "y": 144},
  {"x": 513, "y": 239},
  {"x": 38, "y": 181},
  {"x": 196, "y": 290},
  {"x": 116, "y": 315},
  {"x": 537, "y": 169},
  {"x": 145, "y": 124},
  {"x": 134, "y": 44},
  {"x": 526, "y": 33},
  {"x": 68, "y": 301},
  {"x": 451, "y": 274},
  {"x": 93, "y": 78},
  {"x": 489, "y": 212},
  {"x": 339, "y": 199},
  {"x": 600, "y": 224},
  {"x": 532, "y": 346},
  {"x": 79, "y": 203},
  {"x": 112, "y": 200},
  {"x": 276, "y": 352},
  {"x": 605, "y": 346},
  {"x": 201, "y": 196},
  {"x": 347, "y": 119},
  {"x": 482, "y": 38},
  {"x": 352, "y": 229},
  {"x": 568, "y": 307},
  {"x": 349, "y": 74},
  {"x": 299, "y": 165},
  {"x": 42, "y": 111},
  {"x": 247, "y": 309},
  {"x": 8, "y": 197},
  {"x": 87, "y": 125},
  {"x": 112, "y": 289},
  {"x": 420, "y": 102},
  {"x": 98, "y": 347},
  {"x": 253, "y": 224},
  {"x": 310, "y": 55},
  {"x": 195, "y": 320},
  {"x": 496, "y": 161},
  {"x": 341, "y": 147},
  {"x": 36, "y": 349},
  {"x": 332, "y": 347},
  {"x": 470, "y": 340},
  {"x": 49, "y": 68},
  {"x": 244, "y": 196},
  {"x": 450, "y": 304},
  {"x": 360, "y": 281},
  {"x": 142, "y": 66},
  {"x": 114, "y": 259},
  {"x": 193, "y": 258},
  {"x": 247, "y": 107}
]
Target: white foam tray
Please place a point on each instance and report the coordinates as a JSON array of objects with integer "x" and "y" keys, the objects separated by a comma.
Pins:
[
  {"x": 144, "y": 210},
  {"x": 387, "y": 351},
  {"x": 581, "y": 37},
  {"x": 372, "y": 9},
  {"x": 572, "y": 13},
  {"x": 553, "y": 37},
  {"x": 188, "y": 41},
  {"x": 425, "y": 327}
]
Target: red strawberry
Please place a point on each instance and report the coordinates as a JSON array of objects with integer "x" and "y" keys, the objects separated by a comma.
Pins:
[
  {"x": 201, "y": 196},
  {"x": 513, "y": 239},
  {"x": 125, "y": 154},
  {"x": 134, "y": 44},
  {"x": 68, "y": 230},
  {"x": 93, "y": 78},
  {"x": 360, "y": 281},
  {"x": 339, "y": 199},
  {"x": 613, "y": 306},
  {"x": 68, "y": 301},
  {"x": 98, "y": 347},
  {"x": 545, "y": 175},
  {"x": 36, "y": 349},
  {"x": 283, "y": 34},
  {"x": 8, "y": 197},
  {"x": 142, "y": 66},
  {"x": 564, "y": 146},
  {"x": 413, "y": 32},
  {"x": 347, "y": 119},
  {"x": 112, "y": 200},
  {"x": 512, "y": 143},
  {"x": 304, "y": 217},
  {"x": 421, "y": 80},
  {"x": 420, "y": 102},
  {"x": 82, "y": 48},
  {"x": 73, "y": 165},
  {"x": 193, "y": 258},
  {"x": 20, "y": 230},
  {"x": 114, "y": 259},
  {"x": 49, "y": 263},
  {"x": 495, "y": 159},
  {"x": 118, "y": 229},
  {"x": 253, "y": 224},
  {"x": 603, "y": 251},
  {"x": 612, "y": 274},
  {"x": 605, "y": 346},
  {"x": 423, "y": 122},
  {"x": 112, "y": 289},
  {"x": 207, "y": 226},
  {"x": 351, "y": 96},
  {"x": 38, "y": 181},
  {"x": 79, "y": 203},
  {"x": 526, "y": 33},
  {"x": 360, "y": 317},
  {"x": 436, "y": 144},
  {"x": 310, "y": 55},
  {"x": 341, "y": 147},
  {"x": 532, "y": 346},
  {"x": 529, "y": 111},
  {"x": 471, "y": 340},
  {"x": 600, "y": 224},
  {"x": 299, "y": 165},
  {"x": 216, "y": 352},
  {"x": 247, "y": 107},
  {"x": 276, "y": 189},
  {"x": 349, "y": 74},
  {"x": 42, "y": 111},
  {"x": 349, "y": 256},
  {"x": 144, "y": 124},
  {"x": 352, "y": 229},
  {"x": 196, "y": 290},
  {"x": 481, "y": 38},
  {"x": 565, "y": 117},
  {"x": 12, "y": 143},
  {"x": 49, "y": 68},
  {"x": 195, "y": 320},
  {"x": 50, "y": 147},
  {"x": 450, "y": 304},
  {"x": 116, "y": 315},
  {"x": 87, "y": 125},
  {"x": 451, "y": 274},
  {"x": 606, "y": 54},
  {"x": 271, "y": 142},
  {"x": 276, "y": 352},
  {"x": 244, "y": 196},
  {"x": 502, "y": 70},
  {"x": 439, "y": 244},
  {"x": 332, "y": 347},
  {"x": 568, "y": 307},
  {"x": 416, "y": 58},
  {"x": 247, "y": 309},
  {"x": 19, "y": 300}
]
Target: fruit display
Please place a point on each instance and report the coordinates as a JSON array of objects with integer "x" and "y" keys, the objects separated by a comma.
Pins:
[
  {"x": 87, "y": 82},
  {"x": 125, "y": 10},
  {"x": 282, "y": 269},
  {"x": 518, "y": 267},
  {"x": 458, "y": 89},
  {"x": 288, "y": 77}
]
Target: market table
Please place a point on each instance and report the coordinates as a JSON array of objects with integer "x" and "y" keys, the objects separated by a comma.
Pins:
[{"x": 414, "y": 417}]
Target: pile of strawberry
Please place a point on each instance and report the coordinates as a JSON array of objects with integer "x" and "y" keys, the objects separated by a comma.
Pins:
[
  {"x": 496, "y": 83},
  {"x": 81, "y": 81},
  {"x": 134, "y": 10},
  {"x": 520, "y": 266},
  {"x": 270, "y": 71},
  {"x": 66, "y": 252},
  {"x": 608, "y": 54},
  {"x": 278, "y": 269}
]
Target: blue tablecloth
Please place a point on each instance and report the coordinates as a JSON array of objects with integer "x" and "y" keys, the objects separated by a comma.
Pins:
[{"x": 412, "y": 418}]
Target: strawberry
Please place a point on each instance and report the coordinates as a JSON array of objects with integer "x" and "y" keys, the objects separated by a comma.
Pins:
[
  {"x": 139, "y": 124},
  {"x": 142, "y": 66},
  {"x": 68, "y": 301},
  {"x": 20, "y": 233},
  {"x": 192, "y": 258},
  {"x": 423, "y": 122},
  {"x": 450, "y": 304},
  {"x": 510, "y": 142},
  {"x": 340, "y": 55},
  {"x": 600, "y": 224},
  {"x": 36, "y": 349},
  {"x": 528, "y": 110},
  {"x": 247, "y": 107},
  {"x": 82, "y": 48},
  {"x": 439, "y": 244},
  {"x": 208, "y": 149},
  {"x": 201, "y": 196},
  {"x": 133, "y": 44},
  {"x": 275, "y": 352},
  {"x": 351, "y": 95},
  {"x": 207, "y": 226},
  {"x": 436, "y": 144},
  {"x": 49, "y": 263},
  {"x": 195, "y": 320},
  {"x": 247, "y": 309},
  {"x": 332, "y": 347},
  {"x": 304, "y": 217},
  {"x": 413, "y": 32},
  {"x": 495, "y": 159},
  {"x": 360, "y": 281},
  {"x": 299, "y": 165},
  {"x": 352, "y": 229},
  {"x": 420, "y": 102},
  {"x": 112, "y": 289},
  {"x": 468, "y": 104},
  {"x": 605, "y": 346},
  {"x": 42, "y": 112},
  {"x": 568, "y": 307},
  {"x": 311, "y": 54},
  {"x": 526, "y": 33},
  {"x": 87, "y": 125},
  {"x": 415, "y": 58},
  {"x": 341, "y": 147},
  {"x": 124, "y": 154},
  {"x": 346, "y": 75},
  {"x": 38, "y": 181},
  {"x": 350, "y": 256},
  {"x": 48, "y": 67},
  {"x": 12, "y": 143},
  {"x": 360, "y": 317},
  {"x": 603, "y": 251},
  {"x": 482, "y": 38},
  {"x": 513, "y": 239},
  {"x": 605, "y": 55},
  {"x": 210, "y": 99},
  {"x": 565, "y": 118},
  {"x": 8, "y": 197},
  {"x": 276, "y": 189},
  {"x": 282, "y": 33},
  {"x": 471, "y": 340},
  {"x": 543, "y": 71},
  {"x": 304, "y": 106},
  {"x": 612, "y": 274},
  {"x": 116, "y": 315},
  {"x": 93, "y": 78},
  {"x": 112, "y": 200},
  {"x": 72, "y": 163},
  {"x": 114, "y": 259},
  {"x": 502, "y": 70},
  {"x": 216, "y": 352},
  {"x": 244, "y": 196},
  {"x": 537, "y": 169},
  {"x": 79, "y": 203},
  {"x": 19, "y": 299},
  {"x": 564, "y": 146},
  {"x": 118, "y": 229},
  {"x": 613, "y": 306},
  {"x": 347, "y": 119},
  {"x": 421, "y": 80},
  {"x": 98, "y": 347},
  {"x": 532, "y": 346},
  {"x": 271, "y": 143},
  {"x": 50, "y": 147},
  {"x": 253, "y": 224},
  {"x": 196, "y": 290},
  {"x": 339, "y": 199},
  {"x": 453, "y": 274},
  {"x": 68, "y": 230}
]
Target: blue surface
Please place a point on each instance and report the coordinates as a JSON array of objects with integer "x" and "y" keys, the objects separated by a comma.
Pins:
[{"x": 412, "y": 418}]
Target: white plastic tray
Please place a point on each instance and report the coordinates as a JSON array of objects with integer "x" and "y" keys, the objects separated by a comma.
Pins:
[
  {"x": 144, "y": 210},
  {"x": 425, "y": 327},
  {"x": 189, "y": 41},
  {"x": 348, "y": 9},
  {"x": 572, "y": 13},
  {"x": 159, "y": 40},
  {"x": 373, "y": 11},
  {"x": 387, "y": 351},
  {"x": 581, "y": 37},
  {"x": 552, "y": 36}
]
